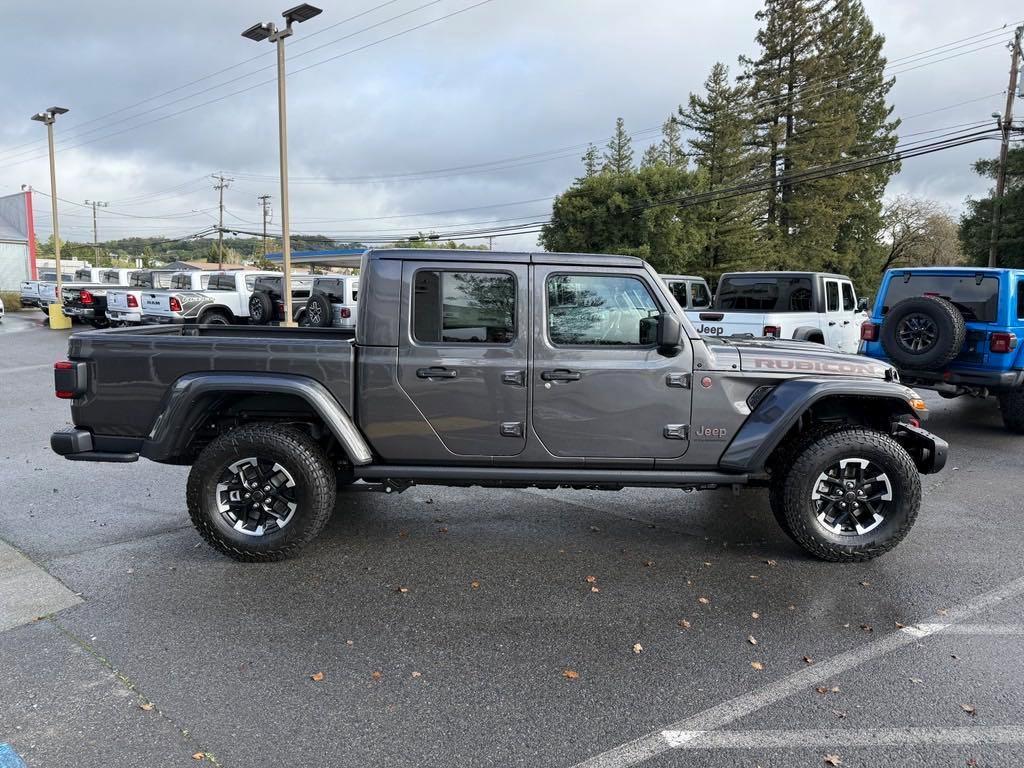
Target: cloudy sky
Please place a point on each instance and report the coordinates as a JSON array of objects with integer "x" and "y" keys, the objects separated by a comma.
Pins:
[{"x": 459, "y": 123}]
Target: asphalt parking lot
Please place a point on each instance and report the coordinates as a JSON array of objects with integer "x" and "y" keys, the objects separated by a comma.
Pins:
[{"x": 448, "y": 627}]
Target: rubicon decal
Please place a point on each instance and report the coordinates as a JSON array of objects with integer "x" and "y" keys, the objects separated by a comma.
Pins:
[{"x": 834, "y": 367}]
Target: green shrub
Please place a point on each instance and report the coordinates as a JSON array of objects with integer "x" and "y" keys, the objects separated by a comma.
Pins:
[{"x": 12, "y": 300}]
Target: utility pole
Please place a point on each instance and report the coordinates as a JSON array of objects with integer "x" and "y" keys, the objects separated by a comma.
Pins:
[
  {"x": 95, "y": 236},
  {"x": 220, "y": 186},
  {"x": 265, "y": 205},
  {"x": 1004, "y": 125}
]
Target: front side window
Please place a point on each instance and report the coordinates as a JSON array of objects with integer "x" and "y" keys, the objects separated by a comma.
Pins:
[
  {"x": 604, "y": 310},
  {"x": 678, "y": 289},
  {"x": 464, "y": 307},
  {"x": 700, "y": 296},
  {"x": 250, "y": 282},
  {"x": 832, "y": 296},
  {"x": 849, "y": 300}
]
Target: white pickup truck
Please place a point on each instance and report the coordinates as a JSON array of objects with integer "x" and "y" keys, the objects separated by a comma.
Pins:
[
  {"x": 805, "y": 306},
  {"x": 32, "y": 290},
  {"x": 83, "y": 277},
  {"x": 223, "y": 301},
  {"x": 124, "y": 306}
]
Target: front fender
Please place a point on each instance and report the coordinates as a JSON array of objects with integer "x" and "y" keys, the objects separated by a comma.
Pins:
[
  {"x": 181, "y": 413},
  {"x": 780, "y": 410}
]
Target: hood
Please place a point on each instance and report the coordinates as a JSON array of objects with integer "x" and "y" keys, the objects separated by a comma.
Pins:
[{"x": 805, "y": 357}]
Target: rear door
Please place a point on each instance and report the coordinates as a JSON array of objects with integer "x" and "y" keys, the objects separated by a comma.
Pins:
[
  {"x": 832, "y": 327},
  {"x": 463, "y": 354},
  {"x": 599, "y": 389}
]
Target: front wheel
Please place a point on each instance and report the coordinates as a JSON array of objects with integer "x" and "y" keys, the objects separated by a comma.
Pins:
[
  {"x": 850, "y": 495},
  {"x": 261, "y": 492},
  {"x": 1011, "y": 404}
]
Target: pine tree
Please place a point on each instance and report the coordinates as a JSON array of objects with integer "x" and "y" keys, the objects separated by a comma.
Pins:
[
  {"x": 671, "y": 148},
  {"x": 720, "y": 129},
  {"x": 652, "y": 156},
  {"x": 618, "y": 157},
  {"x": 591, "y": 159}
]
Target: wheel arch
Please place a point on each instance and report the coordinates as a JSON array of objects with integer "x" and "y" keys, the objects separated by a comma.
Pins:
[
  {"x": 195, "y": 401},
  {"x": 809, "y": 333},
  {"x": 794, "y": 406}
]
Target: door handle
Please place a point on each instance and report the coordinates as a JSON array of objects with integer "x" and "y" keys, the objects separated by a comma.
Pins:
[
  {"x": 436, "y": 372},
  {"x": 846, "y": 322},
  {"x": 561, "y": 374},
  {"x": 831, "y": 322}
]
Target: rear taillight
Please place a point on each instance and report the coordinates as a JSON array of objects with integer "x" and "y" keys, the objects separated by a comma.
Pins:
[
  {"x": 1002, "y": 342},
  {"x": 132, "y": 301},
  {"x": 346, "y": 312},
  {"x": 85, "y": 297},
  {"x": 173, "y": 304},
  {"x": 869, "y": 332},
  {"x": 774, "y": 331},
  {"x": 63, "y": 378}
]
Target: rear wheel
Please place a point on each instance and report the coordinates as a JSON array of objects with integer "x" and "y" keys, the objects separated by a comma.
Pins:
[
  {"x": 849, "y": 495},
  {"x": 261, "y": 492},
  {"x": 318, "y": 310},
  {"x": 261, "y": 308},
  {"x": 1011, "y": 404},
  {"x": 214, "y": 317}
]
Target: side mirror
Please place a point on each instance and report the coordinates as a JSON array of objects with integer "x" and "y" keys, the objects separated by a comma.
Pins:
[
  {"x": 665, "y": 330},
  {"x": 862, "y": 304}
]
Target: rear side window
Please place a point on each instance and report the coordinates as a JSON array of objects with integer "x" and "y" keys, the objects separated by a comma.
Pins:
[
  {"x": 355, "y": 292},
  {"x": 831, "y": 296},
  {"x": 700, "y": 297},
  {"x": 765, "y": 293},
  {"x": 977, "y": 297},
  {"x": 183, "y": 281},
  {"x": 1020, "y": 300},
  {"x": 111, "y": 277},
  {"x": 82, "y": 275},
  {"x": 222, "y": 283},
  {"x": 604, "y": 310},
  {"x": 464, "y": 307},
  {"x": 141, "y": 280},
  {"x": 849, "y": 300},
  {"x": 250, "y": 282},
  {"x": 678, "y": 289}
]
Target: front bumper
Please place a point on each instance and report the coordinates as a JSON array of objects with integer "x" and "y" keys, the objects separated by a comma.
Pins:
[
  {"x": 928, "y": 451},
  {"x": 81, "y": 445}
]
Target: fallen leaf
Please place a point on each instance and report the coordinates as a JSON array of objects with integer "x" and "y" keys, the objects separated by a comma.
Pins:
[
  {"x": 808, "y": 660},
  {"x": 971, "y": 761},
  {"x": 475, "y": 584},
  {"x": 867, "y": 627},
  {"x": 757, "y": 665},
  {"x": 595, "y": 529},
  {"x": 821, "y": 689},
  {"x": 648, "y": 563},
  {"x": 595, "y": 589},
  {"x": 754, "y": 576},
  {"x": 199, "y": 756},
  {"x": 684, "y": 623},
  {"x": 953, "y": 656},
  {"x": 791, "y": 607},
  {"x": 376, "y": 675},
  {"x": 755, "y": 615},
  {"x": 349, "y": 642},
  {"x": 403, "y": 534},
  {"x": 417, "y": 674},
  {"x": 898, "y": 625},
  {"x": 865, "y": 583},
  {"x": 916, "y": 680},
  {"x": 833, "y": 760},
  {"x": 570, "y": 674},
  {"x": 770, "y": 562},
  {"x": 403, "y": 590},
  {"x": 443, "y": 530},
  {"x": 591, "y": 579},
  {"x": 637, "y": 648},
  {"x": 146, "y": 706},
  {"x": 707, "y": 564},
  {"x": 751, "y": 639},
  {"x": 968, "y": 709},
  {"x": 316, "y": 677},
  {"x": 835, "y": 689},
  {"x": 703, "y": 600},
  {"x": 942, "y": 611}
]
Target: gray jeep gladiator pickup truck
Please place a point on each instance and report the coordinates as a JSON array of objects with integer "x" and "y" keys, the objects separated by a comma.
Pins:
[{"x": 502, "y": 370}]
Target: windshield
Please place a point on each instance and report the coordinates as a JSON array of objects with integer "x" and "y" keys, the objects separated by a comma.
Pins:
[
  {"x": 764, "y": 293},
  {"x": 975, "y": 296}
]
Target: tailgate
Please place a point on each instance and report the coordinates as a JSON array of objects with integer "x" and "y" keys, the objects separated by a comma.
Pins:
[
  {"x": 118, "y": 300},
  {"x": 712, "y": 323},
  {"x": 156, "y": 303}
]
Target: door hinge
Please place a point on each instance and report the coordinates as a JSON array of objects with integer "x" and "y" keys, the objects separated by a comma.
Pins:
[
  {"x": 511, "y": 429},
  {"x": 677, "y": 431},
  {"x": 678, "y": 380}
]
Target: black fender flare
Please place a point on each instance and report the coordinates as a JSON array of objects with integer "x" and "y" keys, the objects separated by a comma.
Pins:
[
  {"x": 779, "y": 411},
  {"x": 180, "y": 414},
  {"x": 804, "y": 332}
]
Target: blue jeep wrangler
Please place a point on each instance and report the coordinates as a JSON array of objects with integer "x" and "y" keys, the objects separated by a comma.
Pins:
[{"x": 956, "y": 330}]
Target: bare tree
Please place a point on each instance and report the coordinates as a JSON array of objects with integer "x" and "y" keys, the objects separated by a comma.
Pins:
[{"x": 919, "y": 233}]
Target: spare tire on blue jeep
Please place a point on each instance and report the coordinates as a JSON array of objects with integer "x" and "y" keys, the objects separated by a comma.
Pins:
[{"x": 923, "y": 333}]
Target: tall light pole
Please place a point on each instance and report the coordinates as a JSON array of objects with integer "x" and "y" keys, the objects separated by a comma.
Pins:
[
  {"x": 269, "y": 31},
  {"x": 95, "y": 233},
  {"x": 48, "y": 116}
]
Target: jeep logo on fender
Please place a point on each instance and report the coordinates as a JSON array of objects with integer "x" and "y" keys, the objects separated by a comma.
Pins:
[
  {"x": 817, "y": 366},
  {"x": 710, "y": 433},
  {"x": 711, "y": 330}
]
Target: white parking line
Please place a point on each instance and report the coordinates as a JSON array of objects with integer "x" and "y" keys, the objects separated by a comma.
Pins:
[
  {"x": 922, "y": 630},
  {"x": 655, "y": 743},
  {"x": 838, "y": 737}
]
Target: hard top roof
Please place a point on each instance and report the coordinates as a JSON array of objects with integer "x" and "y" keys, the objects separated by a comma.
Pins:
[
  {"x": 776, "y": 273},
  {"x": 505, "y": 257}
]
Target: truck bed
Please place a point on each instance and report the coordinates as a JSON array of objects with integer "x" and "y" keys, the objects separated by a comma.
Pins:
[{"x": 129, "y": 371}]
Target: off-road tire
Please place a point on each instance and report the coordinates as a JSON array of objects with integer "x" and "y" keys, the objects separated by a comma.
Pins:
[
  {"x": 1011, "y": 405},
  {"x": 298, "y": 454},
  {"x": 214, "y": 317},
  {"x": 319, "y": 310},
  {"x": 261, "y": 308},
  {"x": 813, "y": 459},
  {"x": 946, "y": 335}
]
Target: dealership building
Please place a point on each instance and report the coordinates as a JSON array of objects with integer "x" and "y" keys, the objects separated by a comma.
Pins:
[{"x": 17, "y": 241}]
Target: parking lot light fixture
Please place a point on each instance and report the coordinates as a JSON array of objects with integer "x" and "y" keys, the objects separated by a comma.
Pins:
[
  {"x": 270, "y": 31},
  {"x": 48, "y": 117}
]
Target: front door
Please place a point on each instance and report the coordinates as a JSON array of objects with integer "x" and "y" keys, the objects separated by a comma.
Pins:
[
  {"x": 463, "y": 355},
  {"x": 600, "y": 390}
]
